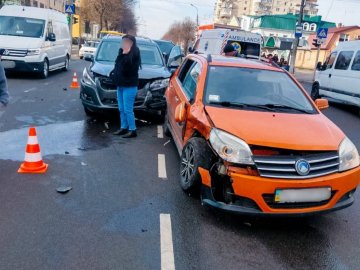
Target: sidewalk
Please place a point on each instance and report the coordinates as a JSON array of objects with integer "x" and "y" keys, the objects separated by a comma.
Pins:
[{"x": 304, "y": 75}]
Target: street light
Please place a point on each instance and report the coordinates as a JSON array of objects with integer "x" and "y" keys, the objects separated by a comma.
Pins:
[{"x": 197, "y": 14}]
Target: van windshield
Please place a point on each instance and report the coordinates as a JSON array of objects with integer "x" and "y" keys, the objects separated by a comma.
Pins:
[
  {"x": 255, "y": 89},
  {"x": 22, "y": 27}
]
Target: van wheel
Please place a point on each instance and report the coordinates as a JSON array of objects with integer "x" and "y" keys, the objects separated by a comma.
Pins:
[
  {"x": 66, "y": 64},
  {"x": 44, "y": 73},
  {"x": 315, "y": 91},
  {"x": 195, "y": 154}
]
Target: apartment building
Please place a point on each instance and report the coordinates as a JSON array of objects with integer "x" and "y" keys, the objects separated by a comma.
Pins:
[
  {"x": 226, "y": 9},
  {"x": 52, "y": 4}
]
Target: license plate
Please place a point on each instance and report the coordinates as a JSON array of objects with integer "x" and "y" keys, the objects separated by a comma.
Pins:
[
  {"x": 302, "y": 195},
  {"x": 8, "y": 64}
]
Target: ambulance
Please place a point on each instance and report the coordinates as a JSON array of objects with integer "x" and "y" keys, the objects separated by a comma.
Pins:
[{"x": 214, "y": 41}]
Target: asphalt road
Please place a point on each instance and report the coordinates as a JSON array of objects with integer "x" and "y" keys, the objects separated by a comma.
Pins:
[{"x": 126, "y": 209}]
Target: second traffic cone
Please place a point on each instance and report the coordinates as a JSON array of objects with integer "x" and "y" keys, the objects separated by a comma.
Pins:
[
  {"x": 75, "y": 83},
  {"x": 33, "y": 160}
]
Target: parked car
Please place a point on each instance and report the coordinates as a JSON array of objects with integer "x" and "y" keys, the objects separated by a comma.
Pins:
[
  {"x": 165, "y": 47},
  {"x": 98, "y": 93},
  {"x": 88, "y": 49},
  {"x": 35, "y": 39},
  {"x": 252, "y": 141},
  {"x": 339, "y": 78}
]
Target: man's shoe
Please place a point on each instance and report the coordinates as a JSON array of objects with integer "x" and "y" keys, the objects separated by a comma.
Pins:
[
  {"x": 130, "y": 134},
  {"x": 121, "y": 131}
]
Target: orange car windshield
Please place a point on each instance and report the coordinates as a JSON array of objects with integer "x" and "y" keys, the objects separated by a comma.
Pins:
[{"x": 255, "y": 89}]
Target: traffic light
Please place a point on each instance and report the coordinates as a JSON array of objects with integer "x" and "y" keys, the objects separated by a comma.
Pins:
[
  {"x": 68, "y": 18},
  {"x": 316, "y": 43},
  {"x": 75, "y": 20}
]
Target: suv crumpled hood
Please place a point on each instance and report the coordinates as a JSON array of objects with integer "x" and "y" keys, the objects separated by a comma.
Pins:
[
  {"x": 146, "y": 72},
  {"x": 279, "y": 130}
]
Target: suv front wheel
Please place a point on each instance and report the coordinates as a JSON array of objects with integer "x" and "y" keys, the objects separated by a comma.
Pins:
[{"x": 195, "y": 154}]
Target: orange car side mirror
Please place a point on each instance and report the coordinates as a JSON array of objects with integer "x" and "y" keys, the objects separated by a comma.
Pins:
[
  {"x": 322, "y": 103},
  {"x": 180, "y": 113}
]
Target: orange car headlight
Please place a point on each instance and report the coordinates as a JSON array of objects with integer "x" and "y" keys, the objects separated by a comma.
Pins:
[
  {"x": 348, "y": 155},
  {"x": 230, "y": 148}
]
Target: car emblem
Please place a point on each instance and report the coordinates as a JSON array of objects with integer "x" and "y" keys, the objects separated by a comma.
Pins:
[
  {"x": 6, "y": 52},
  {"x": 302, "y": 167}
]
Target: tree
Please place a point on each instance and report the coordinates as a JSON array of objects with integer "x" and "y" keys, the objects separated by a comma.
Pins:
[
  {"x": 182, "y": 33},
  {"x": 110, "y": 14}
]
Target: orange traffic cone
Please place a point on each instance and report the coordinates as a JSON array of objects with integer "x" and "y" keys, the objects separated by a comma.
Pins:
[
  {"x": 33, "y": 161},
  {"x": 75, "y": 83}
]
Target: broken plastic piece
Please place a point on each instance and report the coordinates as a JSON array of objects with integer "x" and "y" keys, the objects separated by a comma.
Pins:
[{"x": 63, "y": 189}]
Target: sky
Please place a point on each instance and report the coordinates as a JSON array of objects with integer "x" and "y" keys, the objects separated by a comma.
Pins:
[{"x": 155, "y": 16}]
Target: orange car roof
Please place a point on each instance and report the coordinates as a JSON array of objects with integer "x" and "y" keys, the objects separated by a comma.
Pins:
[{"x": 220, "y": 60}]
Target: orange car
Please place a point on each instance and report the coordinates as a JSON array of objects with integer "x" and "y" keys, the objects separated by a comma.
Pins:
[{"x": 252, "y": 141}]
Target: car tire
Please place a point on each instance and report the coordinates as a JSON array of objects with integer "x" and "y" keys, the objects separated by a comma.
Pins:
[
  {"x": 166, "y": 126},
  {"x": 81, "y": 57},
  {"x": 44, "y": 73},
  {"x": 66, "y": 64},
  {"x": 196, "y": 153},
  {"x": 315, "y": 91},
  {"x": 89, "y": 112}
]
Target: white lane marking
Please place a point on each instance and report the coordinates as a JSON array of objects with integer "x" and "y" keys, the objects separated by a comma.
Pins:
[
  {"x": 46, "y": 83},
  {"x": 162, "y": 166},
  {"x": 30, "y": 89},
  {"x": 160, "y": 132},
  {"x": 166, "y": 243}
]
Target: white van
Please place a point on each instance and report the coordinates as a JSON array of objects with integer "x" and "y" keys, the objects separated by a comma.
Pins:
[
  {"x": 34, "y": 39},
  {"x": 339, "y": 78},
  {"x": 214, "y": 41}
]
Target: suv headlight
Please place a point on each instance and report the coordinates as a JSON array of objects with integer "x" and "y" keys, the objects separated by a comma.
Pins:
[
  {"x": 159, "y": 84},
  {"x": 33, "y": 52},
  {"x": 230, "y": 148},
  {"x": 87, "y": 78},
  {"x": 348, "y": 155}
]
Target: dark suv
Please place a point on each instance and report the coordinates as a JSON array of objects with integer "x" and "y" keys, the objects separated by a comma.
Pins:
[{"x": 98, "y": 93}]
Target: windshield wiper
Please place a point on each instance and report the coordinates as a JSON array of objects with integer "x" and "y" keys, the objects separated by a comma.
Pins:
[
  {"x": 241, "y": 105},
  {"x": 281, "y": 106}
]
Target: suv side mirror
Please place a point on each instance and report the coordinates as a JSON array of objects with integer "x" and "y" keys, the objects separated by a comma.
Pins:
[
  {"x": 180, "y": 112},
  {"x": 322, "y": 103},
  {"x": 173, "y": 66},
  {"x": 51, "y": 37}
]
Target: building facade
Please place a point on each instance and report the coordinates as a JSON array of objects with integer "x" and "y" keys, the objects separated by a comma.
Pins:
[
  {"x": 226, "y": 9},
  {"x": 52, "y": 4}
]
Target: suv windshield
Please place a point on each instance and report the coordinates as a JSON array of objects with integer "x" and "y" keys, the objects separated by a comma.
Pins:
[
  {"x": 108, "y": 51},
  {"x": 22, "y": 27},
  {"x": 255, "y": 89}
]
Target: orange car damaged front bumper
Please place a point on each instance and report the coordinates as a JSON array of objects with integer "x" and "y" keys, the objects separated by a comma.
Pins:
[{"x": 257, "y": 194}]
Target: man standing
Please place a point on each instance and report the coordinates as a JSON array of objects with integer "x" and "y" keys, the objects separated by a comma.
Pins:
[{"x": 4, "y": 94}]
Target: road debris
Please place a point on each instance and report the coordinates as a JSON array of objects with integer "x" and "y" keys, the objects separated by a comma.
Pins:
[
  {"x": 106, "y": 124},
  {"x": 167, "y": 142},
  {"x": 63, "y": 189}
]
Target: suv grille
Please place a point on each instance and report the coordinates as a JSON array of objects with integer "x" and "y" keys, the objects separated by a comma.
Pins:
[
  {"x": 284, "y": 166},
  {"x": 17, "y": 53}
]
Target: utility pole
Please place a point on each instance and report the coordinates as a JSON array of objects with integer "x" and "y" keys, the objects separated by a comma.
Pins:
[
  {"x": 296, "y": 41},
  {"x": 197, "y": 14}
]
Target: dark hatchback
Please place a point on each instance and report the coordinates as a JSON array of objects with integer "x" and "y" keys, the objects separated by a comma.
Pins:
[{"x": 98, "y": 92}]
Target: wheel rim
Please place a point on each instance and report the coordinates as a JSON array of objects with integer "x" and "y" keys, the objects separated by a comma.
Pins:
[
  {"x": 45, "y": 69},
  {"x": 187, "y": 163}
]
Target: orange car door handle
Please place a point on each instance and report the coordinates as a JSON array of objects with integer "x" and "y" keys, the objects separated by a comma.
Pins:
[{"x": 176, "y": 99}]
